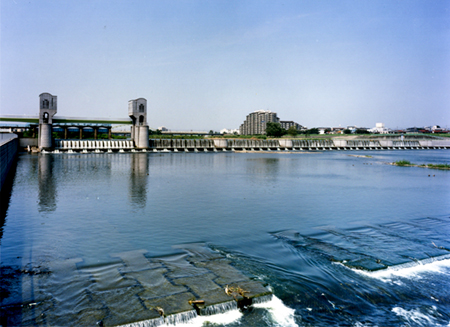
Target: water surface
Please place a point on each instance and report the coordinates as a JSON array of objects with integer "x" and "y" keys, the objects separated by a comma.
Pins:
[{"x": 340, "y": 240}]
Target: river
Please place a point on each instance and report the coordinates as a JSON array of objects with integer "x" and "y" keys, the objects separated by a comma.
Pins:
[{"x": 340, "y": 237}]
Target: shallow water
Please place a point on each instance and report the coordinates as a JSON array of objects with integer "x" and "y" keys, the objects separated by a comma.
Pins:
[{"x": 341, "y": 240}]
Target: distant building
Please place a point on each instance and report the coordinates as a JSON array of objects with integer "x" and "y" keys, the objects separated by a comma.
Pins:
[
  {"x": 437, "y": 129},
  {"x": 229, "y": 131},
  {"x": 163, "y": 129},
  {"x": 255, "y": 123},
  {"x": 414, "y": 129},
  {"x": 324, "y": 130},
  {"x": 380, "y": 129},
  {"x": 286, "y": 124},
  {"x": 336, "y": 130}
]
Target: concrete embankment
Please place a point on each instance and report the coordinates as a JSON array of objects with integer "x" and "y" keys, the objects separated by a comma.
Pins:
[{"x": 9, "y": 144}]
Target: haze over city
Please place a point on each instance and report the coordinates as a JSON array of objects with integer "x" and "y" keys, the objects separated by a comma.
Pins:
[{"x": 206, "y": 64}]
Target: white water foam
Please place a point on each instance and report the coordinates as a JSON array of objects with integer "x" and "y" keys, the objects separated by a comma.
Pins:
[
  {"x": 410, "y": 270},
  {"x": 416, "y": 317},
  {"x": 360, "y": 324},
  {"x": 180, "y": 317},
  {"x": 219, "y": 308},
  {"x": 281, "y": 314},
  {"x": 192, "y": 321},
  {"x": 146, "y": 323},
  {"x": 219, "y": 319}
]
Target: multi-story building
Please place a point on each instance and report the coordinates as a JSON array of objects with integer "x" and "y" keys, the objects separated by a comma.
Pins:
[
  {"x": 286, "y": 124},
  {"x": 255, "y": 123}
]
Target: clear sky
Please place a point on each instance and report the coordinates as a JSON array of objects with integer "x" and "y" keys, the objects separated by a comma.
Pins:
[{"x": 205, "y": 65}]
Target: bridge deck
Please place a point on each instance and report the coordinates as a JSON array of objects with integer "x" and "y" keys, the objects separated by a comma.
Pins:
[{"x": 58, "y": 119}]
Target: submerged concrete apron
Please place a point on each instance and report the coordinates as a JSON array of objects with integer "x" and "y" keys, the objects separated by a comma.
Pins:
[{"x": 135, "y": 290}]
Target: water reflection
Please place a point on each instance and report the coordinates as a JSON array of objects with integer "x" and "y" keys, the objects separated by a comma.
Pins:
[
  {"x": 47, "y": 184},
  {"x": 5, "y": 196},
  {"x": 261, "y": 170},
  {"x": 138, "y": 179}
]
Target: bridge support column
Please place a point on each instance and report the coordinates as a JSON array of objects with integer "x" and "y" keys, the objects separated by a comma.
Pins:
[
  {"x": 109, "y": 133},
  {"x": 81, "y": 133},
  {"x": 65, "y": 133},
  {"x": 95, "y": 132}
]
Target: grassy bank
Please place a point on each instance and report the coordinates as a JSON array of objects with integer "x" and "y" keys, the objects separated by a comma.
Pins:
[{"x": 406, "y": 163}]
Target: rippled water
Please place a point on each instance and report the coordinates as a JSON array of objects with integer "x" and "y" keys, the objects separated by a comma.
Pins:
[{"x": 341, "y": 240}]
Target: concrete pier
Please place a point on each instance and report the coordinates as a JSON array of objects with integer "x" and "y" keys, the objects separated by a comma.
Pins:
[
  {"x": 47, "y": 109},
  {"x": 137, "y": 110}
]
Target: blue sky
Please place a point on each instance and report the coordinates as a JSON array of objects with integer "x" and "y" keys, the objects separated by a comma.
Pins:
[{"x": 205, "y": 65}]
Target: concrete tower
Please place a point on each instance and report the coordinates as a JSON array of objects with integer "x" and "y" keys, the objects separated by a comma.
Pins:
[
  {"x": 137, "y": 110},
  {"x": 47, "y": 109}
]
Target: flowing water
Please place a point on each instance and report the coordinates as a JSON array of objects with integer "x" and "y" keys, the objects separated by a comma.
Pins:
[{"x": 340, "y": 238}]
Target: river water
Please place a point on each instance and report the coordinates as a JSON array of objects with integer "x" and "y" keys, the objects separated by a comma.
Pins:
[{"x": 340, "y": 237}]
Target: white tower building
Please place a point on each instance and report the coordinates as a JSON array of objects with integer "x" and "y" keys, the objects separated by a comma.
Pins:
[
  {"x": 47, "y": 109},
  {"x": 137, "y": 110}
]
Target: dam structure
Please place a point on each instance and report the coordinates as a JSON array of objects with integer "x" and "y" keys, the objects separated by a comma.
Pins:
[
  {"x": 248, "y": 145},
  {"x": 46, "y": 122},
  {"x": 140, "y": 141},
  {"x": 47, "y": 109},
  {"x": 137, "y": 110}
]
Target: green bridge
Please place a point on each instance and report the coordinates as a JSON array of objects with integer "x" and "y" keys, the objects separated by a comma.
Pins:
[{"x": 74, "y": 120}]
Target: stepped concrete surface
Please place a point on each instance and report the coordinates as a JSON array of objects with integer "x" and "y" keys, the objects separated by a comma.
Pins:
[{"x": 131, "y": 289}]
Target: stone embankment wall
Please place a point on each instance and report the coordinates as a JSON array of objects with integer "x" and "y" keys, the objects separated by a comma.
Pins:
[{"x": 9, "y": 144}]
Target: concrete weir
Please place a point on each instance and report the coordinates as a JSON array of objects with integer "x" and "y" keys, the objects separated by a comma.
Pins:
[
  {"x": 131, "y": 289},
  {"x": 197, "y": 282},
  {"x": 245, "y": 145}
]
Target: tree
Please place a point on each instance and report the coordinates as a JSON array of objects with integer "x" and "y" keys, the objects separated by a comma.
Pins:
[
  {"x": 312, "y": 131},
  {"x": 274, "y": 129},
  {"x": 347, "y": 131},
  {"x": 292, "y": 131}
]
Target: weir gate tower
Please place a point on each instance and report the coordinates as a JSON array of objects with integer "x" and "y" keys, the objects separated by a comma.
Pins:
[
  {"x": 137, "y": 110},
  {"x": 47, "y": 109}
]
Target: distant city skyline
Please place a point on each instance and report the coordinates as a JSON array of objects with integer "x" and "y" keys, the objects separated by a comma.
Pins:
[{"x": 205, "y": 65}]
